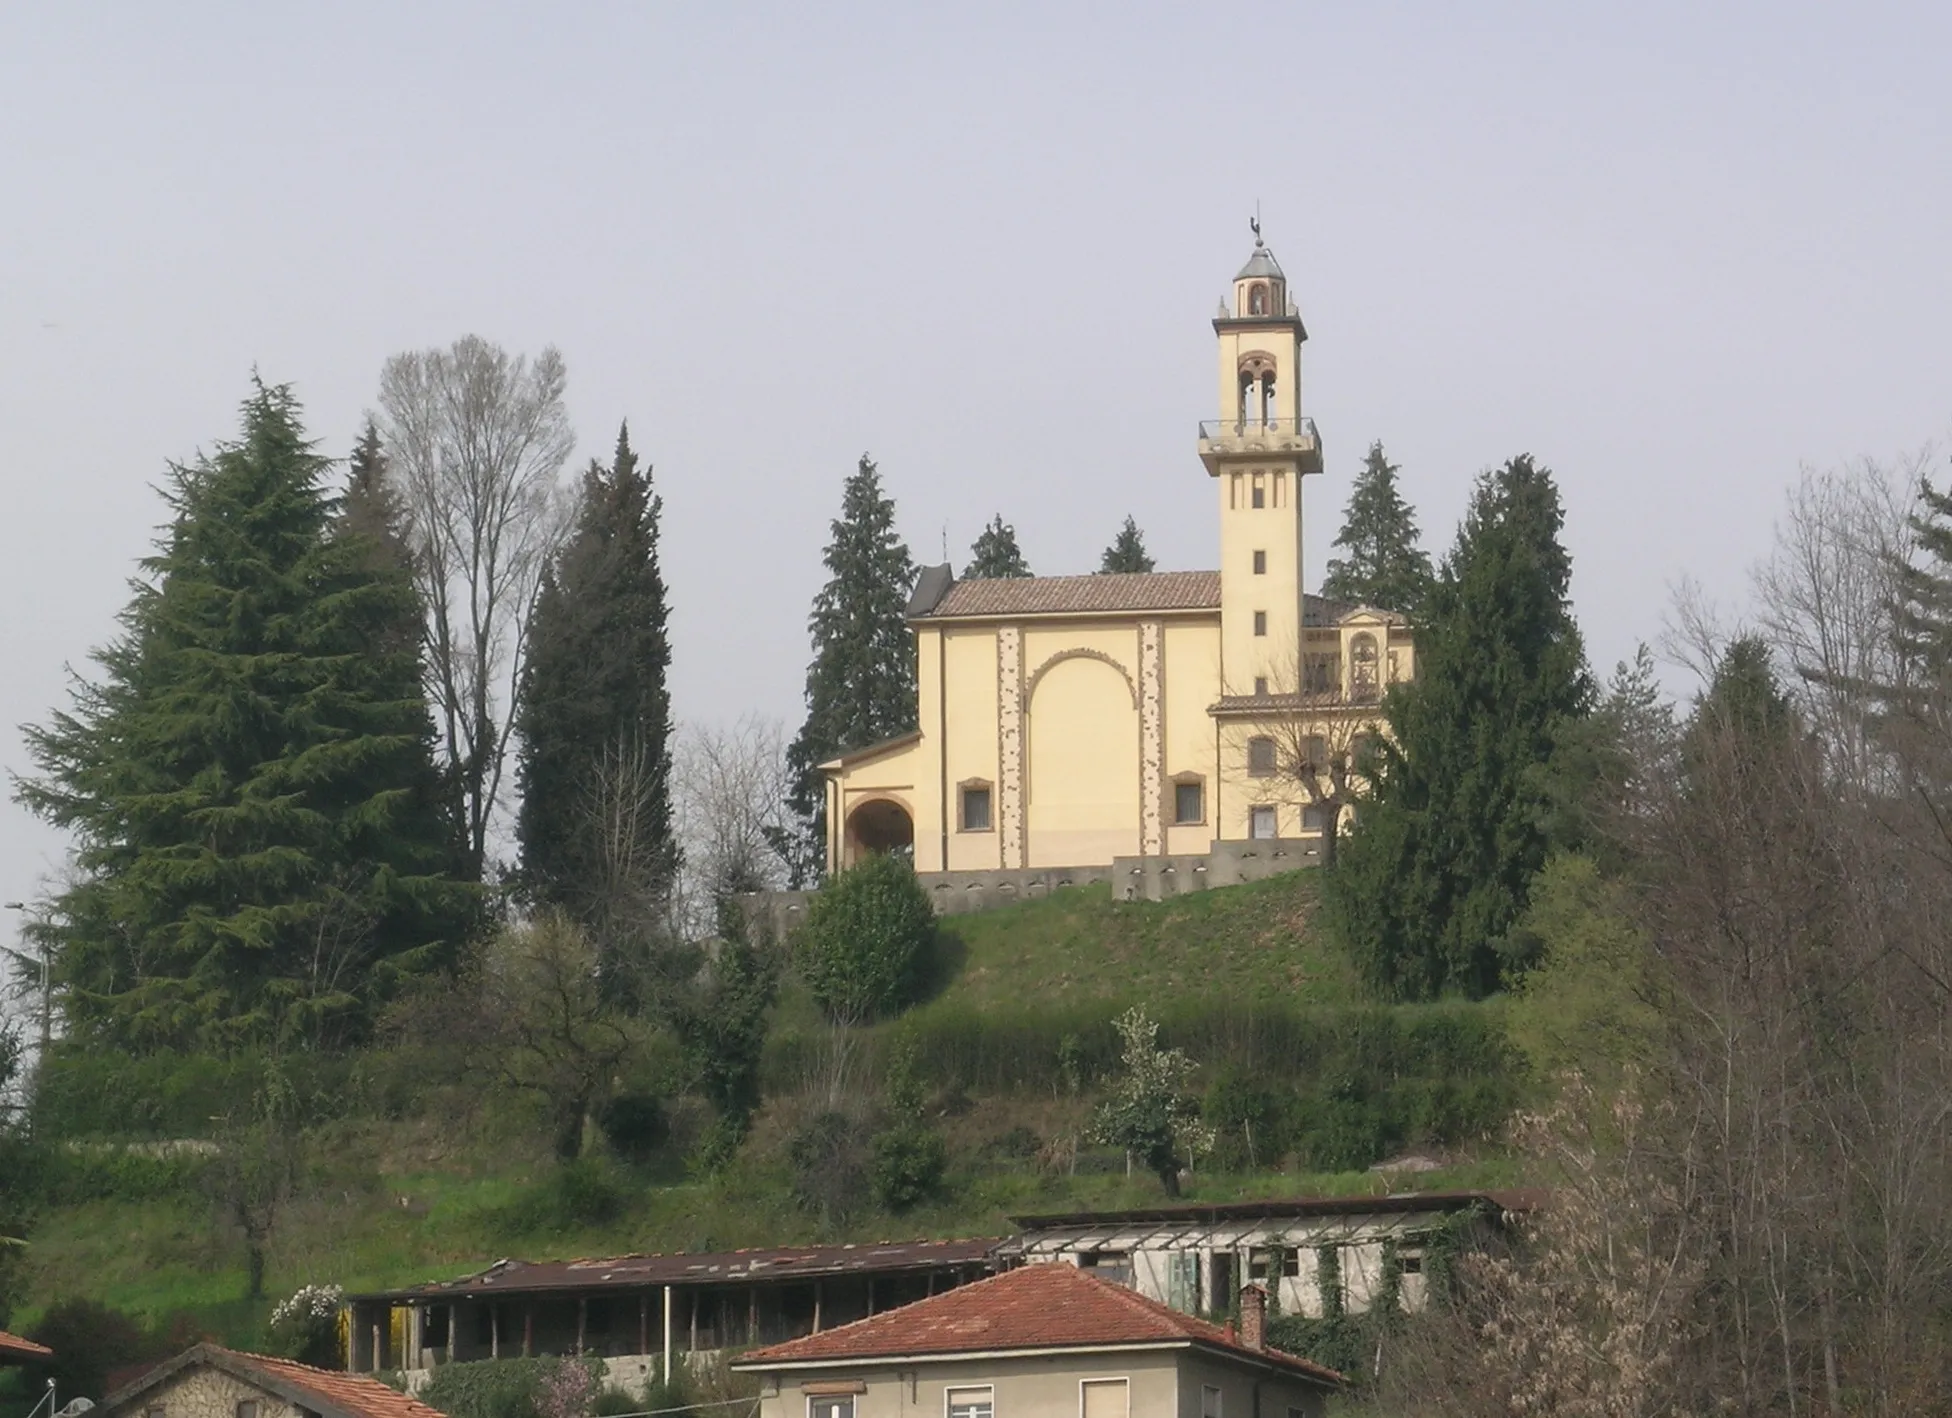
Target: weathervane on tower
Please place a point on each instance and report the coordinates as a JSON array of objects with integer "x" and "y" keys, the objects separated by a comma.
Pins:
[{"x": 1254, "y": 224}]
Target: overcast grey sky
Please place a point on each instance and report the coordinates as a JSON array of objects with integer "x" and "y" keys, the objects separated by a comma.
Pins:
[{"x": 1671, "y": 250}]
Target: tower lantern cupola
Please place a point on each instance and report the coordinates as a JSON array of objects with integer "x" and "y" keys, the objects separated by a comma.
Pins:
[{"x": 1260, "y": 290}]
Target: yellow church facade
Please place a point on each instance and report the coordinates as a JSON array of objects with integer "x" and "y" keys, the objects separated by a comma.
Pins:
[{"x": 1071, "y": 723}]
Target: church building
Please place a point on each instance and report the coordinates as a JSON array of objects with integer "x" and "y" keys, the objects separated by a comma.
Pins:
[{"x": 1077, "y": 721}]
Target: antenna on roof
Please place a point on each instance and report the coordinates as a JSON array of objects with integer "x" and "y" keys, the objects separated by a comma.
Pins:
[{"x": 1254, "y": 223}]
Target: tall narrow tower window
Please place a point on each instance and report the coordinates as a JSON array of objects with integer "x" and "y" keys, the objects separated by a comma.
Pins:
[
  {"x": 1260, "y": 563},
  {"x": 1257, "y": 300},
  {"x": 1260, "y": 622}
]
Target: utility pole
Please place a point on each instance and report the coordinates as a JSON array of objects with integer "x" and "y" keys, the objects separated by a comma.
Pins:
[{"x": 47, "y": 998}]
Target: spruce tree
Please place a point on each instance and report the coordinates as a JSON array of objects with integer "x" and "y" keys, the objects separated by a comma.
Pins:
[
  {"x": 250, "y": 782},
  {"x": 1384, "y": 566},
  {"x": 861, "y": 684},
  {"x": 1127, "y": 551},
  {"x": 995, "y": 555},
  {"x": 1440, "y": 863},
  {"x": 594, "y": 715}
]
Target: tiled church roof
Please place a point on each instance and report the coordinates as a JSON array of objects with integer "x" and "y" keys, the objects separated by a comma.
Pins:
[{"x": 1107, "y": 594}]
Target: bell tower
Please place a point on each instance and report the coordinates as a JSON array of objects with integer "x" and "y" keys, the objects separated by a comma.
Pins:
[{"x": 1257, "y": 452}]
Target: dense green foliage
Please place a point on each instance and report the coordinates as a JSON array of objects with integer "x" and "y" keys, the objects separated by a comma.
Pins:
[
  {"x": 1127, "y": 551},
  {"x": 260, "y": 848},
  {"x": 594, "y": 715},
  {"x": 995, "y": 555},
  {"x": 1438, "y": 868},
  {"x": 720, "y": 1019},
  {"x": 1383, "y": 562},
  {"x": 861, "y": 684},
  {"x": 865, "y": 942},
  {"x": 510, "y": 1388}
]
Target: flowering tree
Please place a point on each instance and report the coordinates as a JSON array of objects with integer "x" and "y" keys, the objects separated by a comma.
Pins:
[
  {"x": 1150, "y": 1113},
  {"x": 306, "y": 1325}
]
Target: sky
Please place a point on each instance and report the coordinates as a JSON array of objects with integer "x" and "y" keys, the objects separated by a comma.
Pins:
[{"x": 1674, "y": 251}]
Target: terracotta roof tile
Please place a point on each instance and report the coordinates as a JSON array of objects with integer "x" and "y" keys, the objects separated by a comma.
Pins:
[
  {"x": 12, "y": 1346},
  {"x": 326, "y": 1391},
  {"x": 1033, "y": 1307},
  {"x": 1080, "y": 595}
]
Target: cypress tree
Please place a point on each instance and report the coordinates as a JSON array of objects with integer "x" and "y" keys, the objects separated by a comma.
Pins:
[
  {"x": 250, "y": 783},
  {"x": 1439, "y": 866},
  {"x": 1127, "y": 551},
  {"x": 861, "y": 684},
  {"x": 594, "y": 715},
  {"x": 995, "y": 556},
  {"x": 1384, "y": 565}
]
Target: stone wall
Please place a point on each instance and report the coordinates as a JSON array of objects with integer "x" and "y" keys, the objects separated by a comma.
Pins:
[{"x": 957, "y": 893}]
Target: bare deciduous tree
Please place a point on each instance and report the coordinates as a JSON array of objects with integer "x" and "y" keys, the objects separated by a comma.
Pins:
[
  {"x": 732, "y": 787},
  {"x": 476, "y": 439}
]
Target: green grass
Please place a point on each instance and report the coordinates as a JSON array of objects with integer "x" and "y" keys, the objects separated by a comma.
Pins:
[{"x": 1241, "y": 943}]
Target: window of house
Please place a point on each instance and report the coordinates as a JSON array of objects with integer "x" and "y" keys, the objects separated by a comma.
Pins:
[
  {"x": 1104, "y": 1398},
  {"x": 1316, "y": 747},
  {"x": 1260, "y": 757},
  {"x": 976, "y": 807},
  {"x": 1269, "y": 1262},
  {"x": 830, "y": 1405},
  {"x": 1362, "y": 667},
  {"x": 1410, "y": 1264},
  {"x": 154, "y": 1410},
  {"x": 1260, "y": 686},
  {"x": 1260, "y": 563},
  {"x": 970, "y": 1402},
  {"x": 1189, "y": 801},
  {"x": 1209, "y": 1401},
  {"x": 1320, "y": 673},
  {"x": 1260, "y": 622},
  {"x": 247, "y": 1408},
  {"x": 1261, "y": 824},
  {"x": 1314, "y": 818}
]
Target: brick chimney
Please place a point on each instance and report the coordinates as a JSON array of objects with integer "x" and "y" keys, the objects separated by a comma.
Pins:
[{"x": 1253, "y": 1317}]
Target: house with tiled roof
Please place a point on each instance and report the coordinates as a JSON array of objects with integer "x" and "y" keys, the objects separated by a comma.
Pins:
[
  {"x": 209, "y": 1381},
  {"x": 1165, "y": 731},
  {"x": 1047, "y": 1340}
]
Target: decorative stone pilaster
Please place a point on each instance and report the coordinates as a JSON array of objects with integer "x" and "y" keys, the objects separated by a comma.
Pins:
[
  {"x": 1010, "y": 824},
  {"x": 1152, "y": 738}
]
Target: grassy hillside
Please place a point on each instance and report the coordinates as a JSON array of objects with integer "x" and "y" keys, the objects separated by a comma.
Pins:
[{"x": 1016, "y": 1041}]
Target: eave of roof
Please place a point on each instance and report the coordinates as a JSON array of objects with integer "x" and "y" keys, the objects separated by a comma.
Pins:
[
  {"x": 1209, "y": 1213},
  {"x": 872, "y": 750},
  {"x": 12, "y": 1346},
  {"x": 757, "y": 1266}
]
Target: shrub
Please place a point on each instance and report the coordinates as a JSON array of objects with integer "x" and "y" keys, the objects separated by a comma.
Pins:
[
  {"x": 865, "y": 942},
  {"x": 830, "y": 1165},
  {"x": 305, "y": 1326},
  {"x": 90, "y": 1341},
  {"x": 910, "y": 1160},
  {"x": 576, "y": 1195},
  {"x": 508, "y": 1388},
  {"x": 635, "y": 1125}
]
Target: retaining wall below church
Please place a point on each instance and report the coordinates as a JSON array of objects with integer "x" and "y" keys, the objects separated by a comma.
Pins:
[{"x": 957, "y": 893}]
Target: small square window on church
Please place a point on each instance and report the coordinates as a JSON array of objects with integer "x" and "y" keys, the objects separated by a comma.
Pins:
[
  {"x": 976, "y": 809},
  {"x": 1260, "y": 686},
  {"x": 1189, "y": 802},
  {"x": 1260, "y": 563},
  {"x": 1260, "y": 622}
]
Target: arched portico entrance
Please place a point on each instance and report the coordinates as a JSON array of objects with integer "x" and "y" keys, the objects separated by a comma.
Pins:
[{"x": 878, "y": 825}]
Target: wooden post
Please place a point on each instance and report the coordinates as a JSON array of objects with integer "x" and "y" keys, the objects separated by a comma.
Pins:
[
  {"x": 870, "y": 1297},
  {"x": 528, "y": 1330},
  {"x": 816, "y": 1307},
  {"x": 378, "y": 1351},
  {"x": 582, "y": 1321},
  {"x": 752, "y": 1315},
  {"x": 644, "y": 1322},
  {"x": 494, "y": 1329},
  {"x": 693, "y": 1349}
]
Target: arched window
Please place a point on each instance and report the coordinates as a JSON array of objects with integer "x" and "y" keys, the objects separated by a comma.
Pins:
[
  {"x": 1362, "y": 667},
  {"x": 1257, "y": 299}
]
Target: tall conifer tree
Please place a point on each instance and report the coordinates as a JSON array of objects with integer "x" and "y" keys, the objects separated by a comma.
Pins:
[
  {"x": 594, "y": 715},
  {"x": 861, "y": 684},
  {"x": 1384, "y": 564},
  {"x": 1127, "y": 551},
  {"x": 1439, "y": 866},
  {"x": 250, "y": 783},
  {"x": 995, "y": 555}
]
